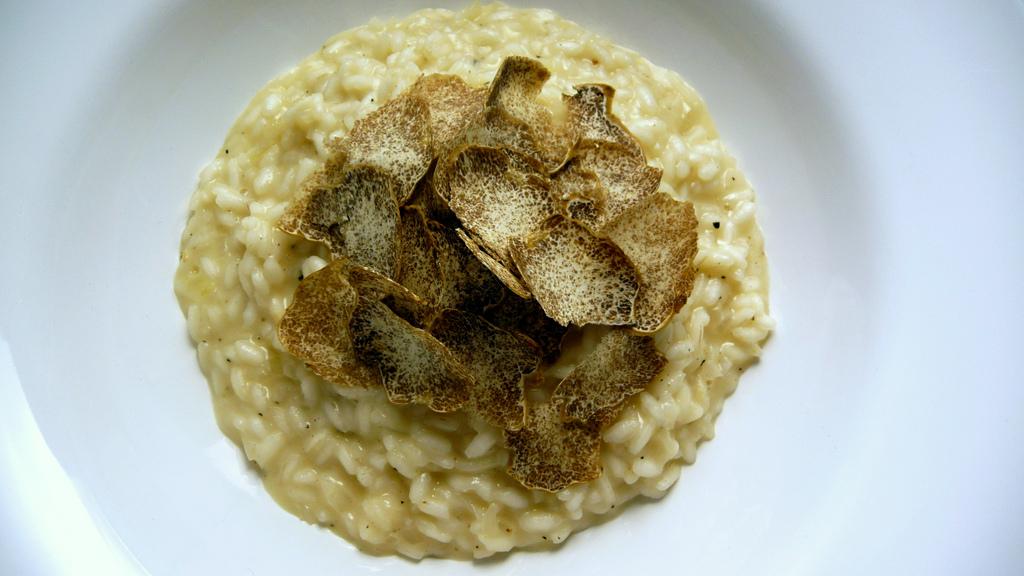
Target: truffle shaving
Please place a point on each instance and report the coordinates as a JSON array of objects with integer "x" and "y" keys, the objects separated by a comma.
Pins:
[
  {"x": 527, "y": 318},
  {"x": 514, "y": 119},
  {"x": 515, "y": 88},
  {"x": 623, "y": 181},
  {"x": 590, "y": 117},
  {"x": 354, "y": 213},
  {"x": 453, "y": 105},
  {"x": 395, "y": 138},
  {"x": 659, "y": 236},
  {"x": 498, "y": 195},
  {"x": 414, "y": 367},
  {"x": 507, "y": 277},
  {"x": 434, "y": 207},
  {"x": 621, "y": 365},
  {"x": 549, "y": 454},
  {"x": 495, "y": 128},
  {"x": 497, "y": 360},
  {"x": 373, "y": 285},
  {"x": 315, "y": 327},
  {"x": 468, "y": 284},
  {"x": 577, "y": 278},
  {"x": 419, "y": 270}
]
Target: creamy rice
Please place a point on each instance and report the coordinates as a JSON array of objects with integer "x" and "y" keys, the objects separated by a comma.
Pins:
[{"x": 402, "y": 479}]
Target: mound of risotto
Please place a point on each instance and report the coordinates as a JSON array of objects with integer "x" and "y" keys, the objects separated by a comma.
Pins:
[{"x": 470, "y": 281}]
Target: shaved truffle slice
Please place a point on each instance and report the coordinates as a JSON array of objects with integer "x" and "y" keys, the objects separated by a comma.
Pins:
[
  {"x": 434, "y": 207},
  {"x": 621, "y": 365},
  {"x": 515, "y": 87},
  {"x": 574, "y": 180},
  {"x": 315, "y": 327},
  {"x": 550, "y": 454},
  {"x": 413, "y": 365},
  {"x": 514, "y": 119},
  {"x": 498, "y": 195},
  {"x": 622, "y": 182},
  {"x": 453, "y": 105},
  {"x": 331, "y": 174},
  {"x": 495, "y": 128},
  {"x": 372, "y": 284},
  {"x": 507, "y": 277},
  {"x": 659, "y": 236},
  {"x": 497, "y": 360},
  {"x": 577, "y": 278},
  {"x": 527, "y": 318},
  {"x": 590, "y": 117},
  {"x": 420, "y": 270},
  {"x": 583, "y": 197},
  {"x": 395, "y": 138},
  {"x": 356, "y": 216},
  {"x": 468, "y": 284}
]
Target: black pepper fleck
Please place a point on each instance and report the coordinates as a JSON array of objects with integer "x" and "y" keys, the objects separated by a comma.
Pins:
[{"x": 716, "y": 224}]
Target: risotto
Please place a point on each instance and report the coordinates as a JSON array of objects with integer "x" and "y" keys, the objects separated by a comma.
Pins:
[{"x": 403, "y": 478}]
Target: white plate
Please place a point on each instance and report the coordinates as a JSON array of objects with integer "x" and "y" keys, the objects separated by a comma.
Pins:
[{"x": 881, "y": 433}]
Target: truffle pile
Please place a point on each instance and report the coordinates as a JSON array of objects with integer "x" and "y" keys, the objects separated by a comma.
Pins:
[{"x": 468, "y": 232}]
